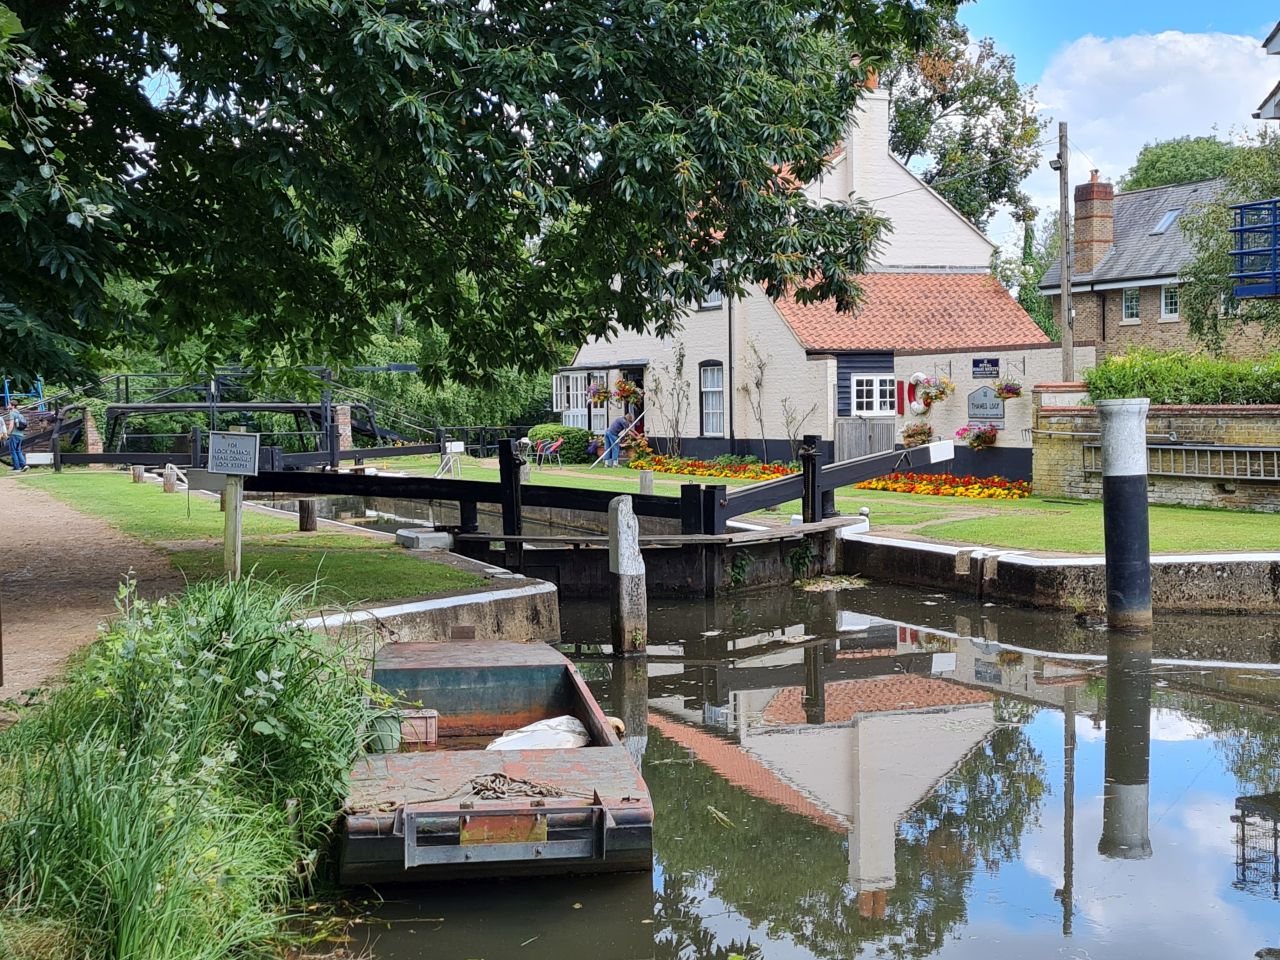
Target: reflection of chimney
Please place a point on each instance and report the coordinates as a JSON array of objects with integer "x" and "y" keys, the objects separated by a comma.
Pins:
[{"x": 1094, "y": 222}]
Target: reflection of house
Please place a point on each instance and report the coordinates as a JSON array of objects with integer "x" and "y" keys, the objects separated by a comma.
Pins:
[{"x": 931, "y": 287}]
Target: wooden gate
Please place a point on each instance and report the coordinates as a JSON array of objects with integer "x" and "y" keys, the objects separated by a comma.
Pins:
[{"x": 862, "y": 436}]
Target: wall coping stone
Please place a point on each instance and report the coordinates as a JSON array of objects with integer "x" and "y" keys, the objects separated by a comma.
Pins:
[
  {"x": 1190, "y": 410},
  {"x": 1038, "y": 345}
]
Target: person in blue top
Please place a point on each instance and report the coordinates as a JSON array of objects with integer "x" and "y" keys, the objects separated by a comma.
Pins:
[
  {"x": 612, "y": 446},
  {"x": 14, "y": 424}
]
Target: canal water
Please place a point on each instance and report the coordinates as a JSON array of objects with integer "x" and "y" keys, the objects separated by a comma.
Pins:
[{"x": 883, "y": 772}]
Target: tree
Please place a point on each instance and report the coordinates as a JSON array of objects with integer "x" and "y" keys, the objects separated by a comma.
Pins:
[
  {"x": 1180, "y": 160},
  {"x": 520, "y": 175},
  {"x": 667, "y": 397},
  {"x": 1206, "y": 297},
  {"x": 1022, "y": 274},
  {"x": 958, "y": 104},
  {"x": 753, "y": 388}
]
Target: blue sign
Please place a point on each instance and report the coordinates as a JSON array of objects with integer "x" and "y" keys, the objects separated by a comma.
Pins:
[{"x": 986, "y": 368}]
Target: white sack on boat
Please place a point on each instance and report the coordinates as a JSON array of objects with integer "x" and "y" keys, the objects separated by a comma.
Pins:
[{"x": 556, "y": 733}]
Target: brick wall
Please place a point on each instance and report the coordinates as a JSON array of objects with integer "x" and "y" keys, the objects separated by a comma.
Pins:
[
  {"x": 1099, "y": 317},
  {"x": 1061, "y": 432},
  {"x": 342, "y": 417}
]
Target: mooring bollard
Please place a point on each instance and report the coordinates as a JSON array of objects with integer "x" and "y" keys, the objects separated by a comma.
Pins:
[
  {"x": 628, "y": 604},
  {"x": 139, "y": 473},
  {"x": 170, "y": 478},
  {"x": 1127, "y": 754},
  {"x": 307, "y": 515},
  {"x": 1124, "y": 513},
  {"x": 646, "y": 483}
]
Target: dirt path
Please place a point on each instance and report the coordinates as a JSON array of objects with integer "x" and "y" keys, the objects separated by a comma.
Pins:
[{"x": 58, "y": 579}]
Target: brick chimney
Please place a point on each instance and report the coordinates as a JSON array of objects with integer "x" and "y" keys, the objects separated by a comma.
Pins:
[{"x": 1094, "y": 222}]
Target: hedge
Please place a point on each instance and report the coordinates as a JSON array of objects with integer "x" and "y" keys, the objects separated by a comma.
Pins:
[
  {"x": 1185, "y": 378},
  {"x": 575, "y": 440}
]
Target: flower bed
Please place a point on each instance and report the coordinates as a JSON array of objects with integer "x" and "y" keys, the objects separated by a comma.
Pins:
[
  {"x": 709, "y": 468},
  {"x": 949, "y": 485}
]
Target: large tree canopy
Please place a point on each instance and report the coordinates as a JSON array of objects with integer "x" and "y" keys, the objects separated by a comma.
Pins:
[
  {"x": 1180, "y": 160},
  {"x": 520, "y": 175},
  {"x": 958, "y": 105}
]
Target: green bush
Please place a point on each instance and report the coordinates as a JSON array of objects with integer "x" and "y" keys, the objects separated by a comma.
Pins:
[
  {"x": 1185, "y": 378},
  {"x": 575, "y": 440}
]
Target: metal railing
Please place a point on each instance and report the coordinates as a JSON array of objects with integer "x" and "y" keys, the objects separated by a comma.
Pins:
[
  {"x": 1255, "y": 249},
  {"x": 1202, "y": 461}
]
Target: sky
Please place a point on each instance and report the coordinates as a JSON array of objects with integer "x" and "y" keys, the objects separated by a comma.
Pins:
[{"x": 1123, "y": 73}]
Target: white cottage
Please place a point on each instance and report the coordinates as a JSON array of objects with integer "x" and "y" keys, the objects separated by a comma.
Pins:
[{"x": 759, "y": 373}]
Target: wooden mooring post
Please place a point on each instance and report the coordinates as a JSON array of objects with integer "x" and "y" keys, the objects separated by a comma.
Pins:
[
  {"x": 509, "y": 464},
  {"x": 307, "y": 517},
  {"x": 628, "y": 602}
]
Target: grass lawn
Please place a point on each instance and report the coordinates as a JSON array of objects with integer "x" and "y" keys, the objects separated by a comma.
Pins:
[
  {"x": 346, "y": 572},
  {"x": 350, "y": 567}
]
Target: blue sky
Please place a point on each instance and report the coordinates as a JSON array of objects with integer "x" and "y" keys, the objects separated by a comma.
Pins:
[{"x": 1033, "y": 37}]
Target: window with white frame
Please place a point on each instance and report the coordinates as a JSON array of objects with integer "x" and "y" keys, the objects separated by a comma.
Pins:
[
  {"x": 711, "y": 398},
  {"x": 599, "y": 411},
  {"x": 1131, "y": 306},
  {"x": 874, "y": 396},
  {"x": 1169, "y": 303},
  {"x": 569, "y": 398},
  {"x": 711, "y": 301}
]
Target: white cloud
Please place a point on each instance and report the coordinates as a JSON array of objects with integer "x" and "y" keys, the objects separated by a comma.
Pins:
[{"x": 1120, "y": 93}]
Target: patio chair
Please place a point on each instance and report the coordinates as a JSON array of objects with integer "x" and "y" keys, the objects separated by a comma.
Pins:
[
  {"x": 538, "y": 447},
  {"x": 553, "y": 453}
]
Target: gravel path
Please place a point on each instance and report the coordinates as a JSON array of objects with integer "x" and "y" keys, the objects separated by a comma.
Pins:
[{"x": 58, "y": 580}]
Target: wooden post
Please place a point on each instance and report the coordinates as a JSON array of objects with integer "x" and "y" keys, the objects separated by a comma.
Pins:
[
  {"x": 628, "y": 603},
  {"x": 509, "y": 465},
  {"x": 55, "y": 441},
  {"x": 307, "y": 515},
  {"x": 468, "y": 516},
  {"x": 690, "y": 508},
  {"x": 196, "y": 443},
  {"x": 139, "y": 472},
  {"x": 646, "y": 482},
  {"x": 170, "y": 478},
  {"x": 233, "y": 527},
  {"x": 812, "y": 498},
  {"x": 713, "y": 518}
]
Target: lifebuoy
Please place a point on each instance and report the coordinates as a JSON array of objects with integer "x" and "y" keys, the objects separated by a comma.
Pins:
[{"x": 917, "y": 406}]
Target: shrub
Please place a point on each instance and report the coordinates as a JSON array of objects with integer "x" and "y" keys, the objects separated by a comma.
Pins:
[
  {"x": 575, "y": 440},
  {"x": 1184, "y": 378}
]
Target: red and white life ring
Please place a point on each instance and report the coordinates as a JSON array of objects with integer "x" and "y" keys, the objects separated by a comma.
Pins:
[{"x": 916, "y": 405}]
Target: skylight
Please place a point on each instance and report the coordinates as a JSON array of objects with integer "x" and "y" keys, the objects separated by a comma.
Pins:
[{"x": 1166, "y": 221}]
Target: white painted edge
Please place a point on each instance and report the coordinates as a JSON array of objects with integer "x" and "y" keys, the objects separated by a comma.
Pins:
[
  {"x": 421, "y": 606},
  {"x": 1031, "y": 560}
]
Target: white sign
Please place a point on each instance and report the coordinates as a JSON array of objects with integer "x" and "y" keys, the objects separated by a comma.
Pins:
[
  {"x": 985, "y": 406},
  {"x": 234, "y": 453}
]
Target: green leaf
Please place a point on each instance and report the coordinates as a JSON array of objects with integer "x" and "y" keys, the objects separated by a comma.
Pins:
[{"x": 10, "y": 25}]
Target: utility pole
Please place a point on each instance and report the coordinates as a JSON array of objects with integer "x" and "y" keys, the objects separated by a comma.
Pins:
[{"x": 1065, "y": 255}]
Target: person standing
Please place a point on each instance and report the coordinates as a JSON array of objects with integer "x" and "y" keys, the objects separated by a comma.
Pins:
[
  {"x": 15, "y": 424},
  {"x": 611, "y": 439}
]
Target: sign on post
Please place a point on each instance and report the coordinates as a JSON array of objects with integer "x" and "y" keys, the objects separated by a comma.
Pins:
[
  {"x": 235, "y": 454},
  {"x": 986, "y": 406}
]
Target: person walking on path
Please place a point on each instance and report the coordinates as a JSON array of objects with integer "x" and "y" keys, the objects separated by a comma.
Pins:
[
  {"x": 14, "y": 425},
  {"x": 612, "y": 446}
]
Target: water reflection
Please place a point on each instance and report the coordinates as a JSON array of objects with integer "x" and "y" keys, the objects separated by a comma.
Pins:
[{"x": 848, "y": 774}]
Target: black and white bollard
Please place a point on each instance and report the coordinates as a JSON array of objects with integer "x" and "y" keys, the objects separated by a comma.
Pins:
[
  {"x": 628, "y": 603},
  {"x": 1127, "y": 763},
  {"x": 1124, "y": 513}
]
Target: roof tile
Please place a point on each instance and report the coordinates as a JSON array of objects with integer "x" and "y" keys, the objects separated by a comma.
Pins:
[
  {"x": 845, "y": 699},
  {"x": 916, "y": 311}
]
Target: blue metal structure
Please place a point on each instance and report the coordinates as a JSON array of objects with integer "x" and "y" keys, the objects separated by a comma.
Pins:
[
  {"x": 1255, "y": 248},
  {"x": 36, "y": 396}
]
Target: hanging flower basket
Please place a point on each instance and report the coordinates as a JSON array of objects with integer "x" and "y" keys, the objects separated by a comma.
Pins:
[
  {"x": 977, "y": 435},
  {"x": 626, "y": 392},
  {"x": 1007, "y": 389},
  {"x": 597, "y": 394},
  {"x": 916, "y": 434},
  {"x": 923, "y": 392}
]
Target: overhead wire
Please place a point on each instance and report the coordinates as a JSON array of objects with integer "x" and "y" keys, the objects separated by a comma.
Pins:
[{"x": 958, "y": 176}]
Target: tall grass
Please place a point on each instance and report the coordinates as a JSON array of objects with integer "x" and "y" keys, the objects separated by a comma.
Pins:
[{"x": 169, "y": 796}]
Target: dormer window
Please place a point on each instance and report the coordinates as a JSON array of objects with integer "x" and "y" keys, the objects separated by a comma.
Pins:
[{"x": 1166, "y": 221}]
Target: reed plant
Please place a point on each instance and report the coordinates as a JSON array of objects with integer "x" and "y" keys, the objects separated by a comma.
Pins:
[{"x": 172, "y": 795}]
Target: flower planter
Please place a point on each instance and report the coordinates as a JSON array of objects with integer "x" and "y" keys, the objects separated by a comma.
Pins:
[{"x": 383, "y": 732}]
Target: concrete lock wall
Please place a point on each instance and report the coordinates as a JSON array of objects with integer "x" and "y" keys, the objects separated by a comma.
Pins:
[
  {"x": 1029, "y": 364},
  {"x": 1061, "y": 466}
]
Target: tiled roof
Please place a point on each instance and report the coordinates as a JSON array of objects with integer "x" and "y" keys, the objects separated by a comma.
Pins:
[
  {"x": 847, "y": 698},
  {"x": 742, "y": 770},
  {"x": 1136, "y": 253},
  {"x": 916, "y": 311}
]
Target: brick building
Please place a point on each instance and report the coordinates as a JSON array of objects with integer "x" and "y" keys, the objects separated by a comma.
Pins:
[{"x": 1129, "y": 252}]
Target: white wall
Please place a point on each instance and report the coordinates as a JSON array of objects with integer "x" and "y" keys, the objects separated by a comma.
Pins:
[{"x": 1030, "y": 365}]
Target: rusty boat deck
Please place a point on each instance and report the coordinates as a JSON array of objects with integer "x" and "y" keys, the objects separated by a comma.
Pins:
[{"x": 459, "y": 810}]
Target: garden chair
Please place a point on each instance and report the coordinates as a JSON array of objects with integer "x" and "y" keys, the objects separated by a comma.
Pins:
[
  {"x": 538, "y": 447},
  {"x": 553, "y": 453}
]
